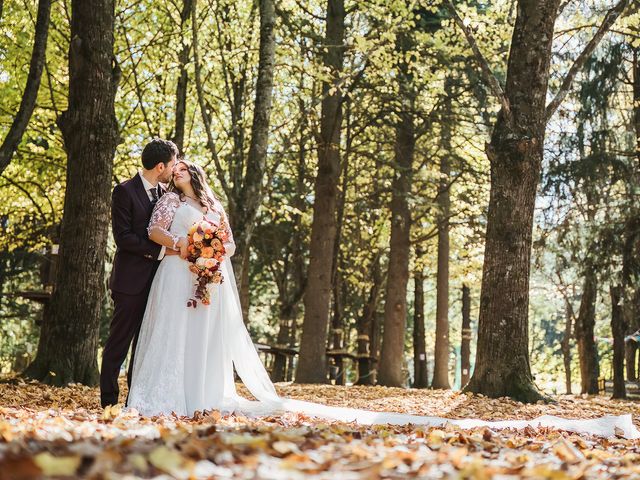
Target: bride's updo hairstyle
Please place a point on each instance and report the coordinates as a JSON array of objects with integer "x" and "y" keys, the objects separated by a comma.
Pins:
[{"x": 198, "y": 183}]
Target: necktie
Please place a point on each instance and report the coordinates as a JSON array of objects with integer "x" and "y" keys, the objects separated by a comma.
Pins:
[{"x": 154, "y": 195}]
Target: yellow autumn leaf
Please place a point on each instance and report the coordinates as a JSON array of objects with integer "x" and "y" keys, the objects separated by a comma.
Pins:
[
  {"x": 138, "y": 461},
  {"x": 436, "y": 438},
  {"x": 167, "y": 460},
  {"x": 284, "y": 447},
  {"x": 255, "y": 441},
  {"x": 51, "y": 465}
]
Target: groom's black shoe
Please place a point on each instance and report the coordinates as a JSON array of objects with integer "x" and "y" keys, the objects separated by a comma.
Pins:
[{"x": 106, "y": 400}]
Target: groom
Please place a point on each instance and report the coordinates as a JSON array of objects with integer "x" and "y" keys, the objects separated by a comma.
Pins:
[{"x": 136, "y": 260}]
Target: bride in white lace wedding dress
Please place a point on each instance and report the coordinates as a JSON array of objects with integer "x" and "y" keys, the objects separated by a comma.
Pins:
[{"x": 185, "y": 357}]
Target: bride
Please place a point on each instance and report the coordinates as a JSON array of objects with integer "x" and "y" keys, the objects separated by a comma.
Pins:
[{"x": 185, "y": 356}]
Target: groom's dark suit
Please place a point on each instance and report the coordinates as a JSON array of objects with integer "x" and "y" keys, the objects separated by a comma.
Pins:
[{"x": 134, "y": 266}]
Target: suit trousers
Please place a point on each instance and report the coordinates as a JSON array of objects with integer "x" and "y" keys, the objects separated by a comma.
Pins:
[{"x": 124, "y": 329}]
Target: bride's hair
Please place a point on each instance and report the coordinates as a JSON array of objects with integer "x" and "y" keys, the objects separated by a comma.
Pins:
[{"x": 199, "y": 184}]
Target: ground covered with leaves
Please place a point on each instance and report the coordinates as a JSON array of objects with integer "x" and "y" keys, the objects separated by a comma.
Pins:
[{"x": 63, "y": 432}]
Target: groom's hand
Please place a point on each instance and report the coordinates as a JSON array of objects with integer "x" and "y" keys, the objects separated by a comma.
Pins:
[{"x": 171, "y": 251}]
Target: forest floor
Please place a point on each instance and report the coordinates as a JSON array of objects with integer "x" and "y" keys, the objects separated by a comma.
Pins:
[{"x": 63, "y": 432}]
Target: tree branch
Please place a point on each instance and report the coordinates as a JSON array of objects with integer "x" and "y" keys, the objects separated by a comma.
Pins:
[
  {"x": 486, "y": 73},
  {"x": 562, "y": 6},
  {"x": 203, "y": 106},
  {"x": 609, "y": 19},
  {"x": 30, "y": 95}
]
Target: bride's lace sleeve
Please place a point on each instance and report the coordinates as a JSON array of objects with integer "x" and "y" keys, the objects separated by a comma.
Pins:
[
  {"x": 162, "y": 217},
  {"x": 230, "y": 244}
]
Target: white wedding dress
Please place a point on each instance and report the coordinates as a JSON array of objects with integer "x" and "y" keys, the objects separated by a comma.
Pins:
[{"x": 185, "y": 357}]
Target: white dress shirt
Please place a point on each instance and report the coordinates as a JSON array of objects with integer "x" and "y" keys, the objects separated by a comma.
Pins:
[{"x": 148, "y": 186}]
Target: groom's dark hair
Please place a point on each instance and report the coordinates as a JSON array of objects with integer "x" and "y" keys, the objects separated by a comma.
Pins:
[{"x": 158, "y": 151}]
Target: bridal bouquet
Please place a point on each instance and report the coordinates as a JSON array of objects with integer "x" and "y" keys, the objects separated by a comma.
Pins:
[{"x": 206, "y": 252}]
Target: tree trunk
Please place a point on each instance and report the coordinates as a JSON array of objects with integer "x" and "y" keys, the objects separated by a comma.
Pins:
[
  {"x": 67, "y": 350},
  {"x": 251, "y": 194},
  {"x": 30, "y": 95},
  {"x": 565, "y": 345},
  {"x": 183, "y": 78},
  {"x": 630, "y": 351},
  {"x": 618, "y": 328},
  {"x": 288, "y": 314},
  {"x": 636, "y": 99},
  {"x": 631, "y": 319},
  {"x": 515, "y": 153},
  {"x": 395, "y": 309},
  {"x": 632, "y": 347},
  {"x": 338, "y": 333},
  {"x": 292, "y": 288},
  {"x": 367, "y": 327},
  {"x": 585, "y": 324},
  {"x": 465, "y": 344},
  {"x": 312, "y": 361},
  {"x": 421, "y": 375},
  {"x": 441, "y": 364}
]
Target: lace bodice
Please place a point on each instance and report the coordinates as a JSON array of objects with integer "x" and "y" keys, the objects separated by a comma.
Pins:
[{"x": 174, "y": 217}]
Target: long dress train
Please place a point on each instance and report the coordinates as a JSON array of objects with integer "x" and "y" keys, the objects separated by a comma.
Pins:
[{"x": 185, "y": 357}]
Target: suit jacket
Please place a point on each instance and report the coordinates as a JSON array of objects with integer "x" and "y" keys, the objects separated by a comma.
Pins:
[{"x": 135, "y": 261}]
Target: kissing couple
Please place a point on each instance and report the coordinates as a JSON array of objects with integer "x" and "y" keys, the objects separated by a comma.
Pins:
[{"x": 183, "y": 358}]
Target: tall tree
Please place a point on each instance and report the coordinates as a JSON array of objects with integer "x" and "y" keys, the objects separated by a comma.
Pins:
[
  {"x": 420, "y": 374},
  {"x": 395, "y": 308},
  {"x": 465, "y": 344},
  {"x": 515, "y": 153},
  {"x": 367, "y": 326},
  {"x": 634, "y": 323},
  {"x": 618, "y": 328},
  {"x": 243, "y": 181},
  {"x": 636, "y": 99},
  {"x": 245, "y": 205},
  {"x": 183, "y": 77},
  {"x": 565, "y": 344},
  {"x": 291, "y": 282},
  {"x": 441, "y": 363},
  {"x": 312, "y": 360},
  {"x": 67, "y": 350},
  {"x": 584, "y": 328},
  {"x": 28, "y": 103}
]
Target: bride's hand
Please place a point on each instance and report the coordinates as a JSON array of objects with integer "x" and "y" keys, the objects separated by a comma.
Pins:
[{"x": 182, "y": 244}]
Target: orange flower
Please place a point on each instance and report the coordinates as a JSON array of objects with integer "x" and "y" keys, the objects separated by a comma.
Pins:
[
  {"x": 207, "y": 252},
  {"x": 210, "y": 263},
  {"x": 216, "y": 244}
]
